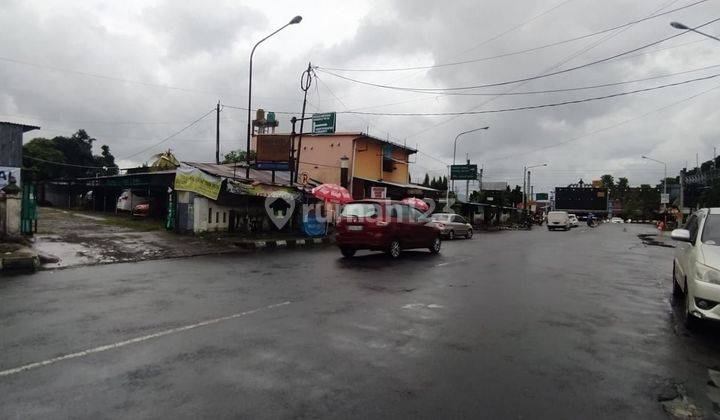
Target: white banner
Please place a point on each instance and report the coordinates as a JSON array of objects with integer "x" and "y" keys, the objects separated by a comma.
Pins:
[
  {"x": 494, "y": 185},
  {"x": 6, "y": 172}
]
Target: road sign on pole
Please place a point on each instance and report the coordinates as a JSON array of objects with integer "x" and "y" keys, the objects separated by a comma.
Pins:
[
  {"x": 323, "y": 123},
  {"x": 463, "y": 172},
  {"x": 664, "y": 198}
]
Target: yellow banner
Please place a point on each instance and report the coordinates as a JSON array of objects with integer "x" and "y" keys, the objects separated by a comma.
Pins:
[{"x": 197, "y": 181}]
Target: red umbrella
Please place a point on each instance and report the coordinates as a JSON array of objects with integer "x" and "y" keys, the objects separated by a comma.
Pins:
[
  {"x": 417, "y": 203},
  {"x": 332, "y": 193}
]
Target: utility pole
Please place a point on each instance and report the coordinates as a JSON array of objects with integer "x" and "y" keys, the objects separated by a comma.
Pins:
[
  {"x": 529, "y": 187},
  {"x": 524, "y": 184},
  {"x": 217, "y": 133},
  {"x": 480, "y": 180},
  {"x": 305, "y": 83},
  {"x": 467, "y": 183}
]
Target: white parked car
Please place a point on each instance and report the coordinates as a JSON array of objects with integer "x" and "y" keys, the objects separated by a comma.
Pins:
[
  {"x": 617, "y": 220},
  {"x": 574, "y": 222},
  {"x": 558, "y": 220},
  {"x": 696, "y": 266}
]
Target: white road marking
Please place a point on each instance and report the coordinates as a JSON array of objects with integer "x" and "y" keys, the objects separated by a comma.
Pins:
[
  {"x": 113, "y": 346},
  {"x": 100, "y": 219},
  {"x": 451, "y": 262}
]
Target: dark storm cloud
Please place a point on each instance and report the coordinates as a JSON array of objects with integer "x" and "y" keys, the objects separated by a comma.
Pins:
[
  {"x": 203, "y": 49},
  {"x": 191, "y": 28}
]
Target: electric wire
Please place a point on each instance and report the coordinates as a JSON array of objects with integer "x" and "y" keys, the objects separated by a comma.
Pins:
[{"x": 457, "y": 63}]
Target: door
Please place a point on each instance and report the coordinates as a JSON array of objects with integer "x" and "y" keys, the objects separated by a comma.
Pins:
[
  {"x": 422, "y": 233},
  {"x": 686, "y": 252},
  {"x": 461, "y": 226}
]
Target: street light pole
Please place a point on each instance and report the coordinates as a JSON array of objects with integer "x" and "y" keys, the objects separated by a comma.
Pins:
[
  {"x": 452, "y": 182},
  {"x": 678, "y": 25},
  {"x": 665, "y": 178},
  {"x": 294, "y": 20},
  {"x": 526, "y": 182}
]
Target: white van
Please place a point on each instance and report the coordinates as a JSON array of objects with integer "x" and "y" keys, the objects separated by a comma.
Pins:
[{"x": 558, "y": 220}]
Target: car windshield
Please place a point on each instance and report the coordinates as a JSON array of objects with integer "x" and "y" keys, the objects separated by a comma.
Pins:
[
  {"x": 711, "y": 230},
  {"x": 440, "y": 217},
  {"x": 360, "y": 210}
]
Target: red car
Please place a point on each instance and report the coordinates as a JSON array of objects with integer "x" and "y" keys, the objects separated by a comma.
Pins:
[{"x": 384, "y": 225}]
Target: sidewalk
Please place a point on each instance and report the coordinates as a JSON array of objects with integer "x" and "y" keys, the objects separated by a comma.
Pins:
[{"x": 90, "y": 238}]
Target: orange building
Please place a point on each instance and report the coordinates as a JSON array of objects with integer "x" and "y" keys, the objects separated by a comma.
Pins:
[{"x": 372, "y": 162}]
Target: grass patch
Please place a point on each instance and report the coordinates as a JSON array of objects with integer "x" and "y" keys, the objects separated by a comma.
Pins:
[{"x": 134, "y": 223}]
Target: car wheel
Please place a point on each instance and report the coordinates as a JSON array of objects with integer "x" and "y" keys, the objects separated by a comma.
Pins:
[
  {"x": 469, "y": 234},
  {"x": 677, "y": 291},
  {"x": 394, "y": 249},
  {"x": 435, "y": 247},
  {"x": 347, "y": 252}
]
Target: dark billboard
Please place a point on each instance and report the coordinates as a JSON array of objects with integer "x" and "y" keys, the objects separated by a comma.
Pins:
[{"x": 589, "y": 199}]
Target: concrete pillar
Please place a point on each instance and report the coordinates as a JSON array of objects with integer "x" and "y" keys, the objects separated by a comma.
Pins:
[{"x": 13, "y": 207}]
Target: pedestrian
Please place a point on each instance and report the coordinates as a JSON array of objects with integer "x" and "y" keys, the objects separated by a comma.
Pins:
[{"x": 661, "y": 227}]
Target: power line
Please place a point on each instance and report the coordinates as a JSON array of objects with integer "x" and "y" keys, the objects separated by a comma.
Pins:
[
  {"x": 560, "y": 90},
  {"x": 516, "y": 27},
  {"x": 523, "y": 108},
  {"x": 629, "y": 120},
  {"x": 457, "y": 63},
  {"x": 64, "y": 164},
  {"x": 508, "y": 82},
  {"x": 172, "y": 135}
]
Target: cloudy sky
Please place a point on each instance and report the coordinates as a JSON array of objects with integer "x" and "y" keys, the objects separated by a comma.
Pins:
[{"x": 133, "y": 73}]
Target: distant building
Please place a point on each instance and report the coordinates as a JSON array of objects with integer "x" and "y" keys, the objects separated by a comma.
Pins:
[
  {"x": 372, "y": 162},
  {"x": 11, "y": 143}
]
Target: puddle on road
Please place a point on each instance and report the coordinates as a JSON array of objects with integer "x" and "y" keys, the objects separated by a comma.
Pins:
[
  {"x": 649, "y": 239},
  {"x": 68, "y": 253}
]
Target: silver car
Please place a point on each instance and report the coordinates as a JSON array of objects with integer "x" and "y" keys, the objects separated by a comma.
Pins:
[{"x": 452, "y": 225}]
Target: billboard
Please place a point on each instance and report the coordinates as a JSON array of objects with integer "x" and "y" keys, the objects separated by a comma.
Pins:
[
  {"x": 323, "y": 123},
  {"x": 273, "y": 152},
  {"x": 463, "y": 172},
  {"x": 582, "y": 199}
]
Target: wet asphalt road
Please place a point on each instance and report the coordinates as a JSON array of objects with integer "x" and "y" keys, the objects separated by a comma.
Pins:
[{"x": 511, "y": 324}]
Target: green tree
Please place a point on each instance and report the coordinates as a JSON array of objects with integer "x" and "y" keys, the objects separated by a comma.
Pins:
[
  {"x": 426, "y": 181},
  {"x": 609, "y": 183},
  {"x": 622, "y": 188},
  {"x": 238, "y": 156},
  {"x": 43, "y": 157}
]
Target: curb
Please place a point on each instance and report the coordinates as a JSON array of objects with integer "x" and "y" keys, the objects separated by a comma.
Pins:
[
  {"x": 24, "y": 260},
  {"x": 284, "y": 243}
]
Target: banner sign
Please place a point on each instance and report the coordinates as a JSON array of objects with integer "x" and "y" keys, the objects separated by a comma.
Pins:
[
  {"x": 7, "y": 172},
  {"x": 260, "y": 190},
  {"x": 192, "y": 179},
  {"x": 463, "y": 172}
]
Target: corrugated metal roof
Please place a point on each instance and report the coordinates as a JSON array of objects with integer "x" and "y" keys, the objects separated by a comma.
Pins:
[
  {"x": 25, "y": 127},
  {"x": 237, "y": 172}
]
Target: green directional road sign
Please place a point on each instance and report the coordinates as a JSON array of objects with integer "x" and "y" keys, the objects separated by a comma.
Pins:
[
  {"x": 323, "y": 123},
  {"x": 463, "y": 172},
  {"x": 541, "y": 196}
]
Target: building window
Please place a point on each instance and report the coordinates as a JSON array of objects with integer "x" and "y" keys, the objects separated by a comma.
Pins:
[
  {"x": 224, "y": 217},
  {"x": 217, "y": 217},
  {"x": 209, "y": 214}
]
